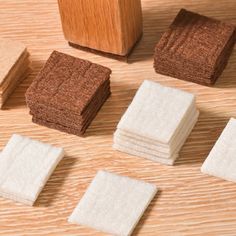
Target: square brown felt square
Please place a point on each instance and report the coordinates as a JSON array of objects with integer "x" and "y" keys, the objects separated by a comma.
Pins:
[
  {"x": 194, "y": 48},
  {"x": 67, "y": 83},
  {"x": 68, "y": 93}
]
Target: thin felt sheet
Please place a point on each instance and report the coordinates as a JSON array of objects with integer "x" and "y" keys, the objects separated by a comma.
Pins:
[
  {"x": 221, "y": 161},
  {"x": 113, "y": 203},
  {"x": 25, "y": 166}
]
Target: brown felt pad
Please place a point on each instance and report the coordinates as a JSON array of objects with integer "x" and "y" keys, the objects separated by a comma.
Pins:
[
  {"x": 76, "y": 122},
  {"x": 70, "y": 116},
  {"x": 194, "y": 48},
  {"x": 69, "y": 122},
  {"x": 201, "y": 75},
  {"x": 67, "y": 83},
  {"x": 69, "y": 130}
]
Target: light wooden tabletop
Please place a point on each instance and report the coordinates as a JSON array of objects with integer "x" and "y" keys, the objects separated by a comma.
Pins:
[{"x": 189, "y": 203}]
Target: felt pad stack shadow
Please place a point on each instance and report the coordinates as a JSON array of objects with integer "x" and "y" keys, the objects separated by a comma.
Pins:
[
  {"x": 195, "y": 48},
  {"x": 14, "y": 63},
  {"x": 157, "y": 123},
  {"x": 67, "y": 93}
]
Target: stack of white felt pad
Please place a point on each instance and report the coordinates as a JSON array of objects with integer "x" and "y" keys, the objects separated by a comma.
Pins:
[
  {"x": 157, "y": 123},
  {"x": 14, "y": 63}
]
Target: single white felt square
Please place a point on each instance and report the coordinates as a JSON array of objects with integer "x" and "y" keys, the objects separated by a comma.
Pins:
[
  {"x": 25, "y": 166},
  {"x": 221, "y": 161},
  {"x": 113, "y": 203},
  {"x": 156, "y": 112}
]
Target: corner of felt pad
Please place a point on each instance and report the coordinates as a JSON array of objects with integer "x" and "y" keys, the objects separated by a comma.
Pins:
[
  {"x": 61, "y": 152},
  {"x": 71, "y": 219},
  {"x": 155, "y": 189},
  {"x": 203, "y": 168},
  {"x": 31, "y": 204}
]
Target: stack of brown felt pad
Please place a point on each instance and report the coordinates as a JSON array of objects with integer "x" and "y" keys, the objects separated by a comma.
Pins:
[
  {"x": 14, "y": 64},
  {"x": 67, "y": 93},
  {"x": 195, "y": 48}
]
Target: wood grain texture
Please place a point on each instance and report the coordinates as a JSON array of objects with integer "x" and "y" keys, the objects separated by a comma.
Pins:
[
  {"x": 189, "y": 203},
  {"x": 111, "y": 26}
]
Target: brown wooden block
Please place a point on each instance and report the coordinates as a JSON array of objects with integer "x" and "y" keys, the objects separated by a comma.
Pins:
[{"x": 110, "y": 26}]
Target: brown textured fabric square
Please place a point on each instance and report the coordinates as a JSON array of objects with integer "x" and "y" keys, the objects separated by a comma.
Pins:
[
  {"x": 67, "y": 83},
  {"x": 14, "y": 65},
  {"x": 194, "y": 48},
  {"x": 67, "y": 93},
  {"x": 76, "y": 121},
  {"x": 70, "y": 128},
  {"x": 53, "y": 113}
]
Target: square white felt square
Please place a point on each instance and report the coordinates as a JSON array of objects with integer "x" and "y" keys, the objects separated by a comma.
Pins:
[
  {"x": 221, "y": 162},
  {"x": 156, "y": 111},
  {"x": 25, "y": 166},
  {"x": 113, "y": 203}
]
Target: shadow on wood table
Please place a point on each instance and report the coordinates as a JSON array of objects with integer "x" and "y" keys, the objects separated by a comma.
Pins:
[{"x": 55, "y": 183}]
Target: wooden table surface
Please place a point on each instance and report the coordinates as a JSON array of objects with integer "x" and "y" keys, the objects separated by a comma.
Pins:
[{"x": 188, "y": 203}]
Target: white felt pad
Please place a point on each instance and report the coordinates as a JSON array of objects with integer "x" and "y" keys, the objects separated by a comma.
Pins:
[
  {"x": 113, "y": 203},
  {"x": 134, "y": 152},
  {"x": 161, "y": 151},
  {"x": 156, "y": 112},
  {"x": 221, "y": 162},
  {"x": 25, "y": 166}
]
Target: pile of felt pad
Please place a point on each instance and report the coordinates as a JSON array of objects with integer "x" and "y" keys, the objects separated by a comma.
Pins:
[
  {"x": 14, "y": 63},
  {"x": 67, "y": 93},
  {"x": 157, "y": 123},
  {"x": 195, "y": 48}
]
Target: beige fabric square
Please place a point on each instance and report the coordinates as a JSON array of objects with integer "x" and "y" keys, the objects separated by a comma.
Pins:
[
  {"x": 221, "y": 161},
  {"x": 113, "y": 203},
  {"x": 25, "y": 166}
]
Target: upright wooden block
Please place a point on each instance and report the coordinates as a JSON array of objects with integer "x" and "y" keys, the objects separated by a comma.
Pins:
[{"x": 111, "y": 26}]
